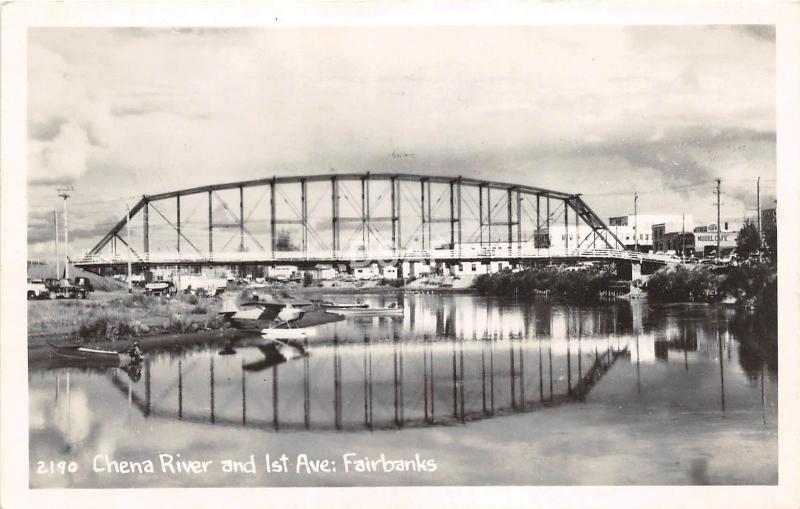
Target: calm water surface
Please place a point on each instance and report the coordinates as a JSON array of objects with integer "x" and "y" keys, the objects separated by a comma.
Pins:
[{"x": 490, "y": 391}]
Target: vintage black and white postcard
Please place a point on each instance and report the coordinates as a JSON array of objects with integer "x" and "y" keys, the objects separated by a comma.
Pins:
[{"x": 301, "y": 246}]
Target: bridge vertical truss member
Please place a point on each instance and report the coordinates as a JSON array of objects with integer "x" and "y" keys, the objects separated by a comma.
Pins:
[{"x": 396, "y": 217}]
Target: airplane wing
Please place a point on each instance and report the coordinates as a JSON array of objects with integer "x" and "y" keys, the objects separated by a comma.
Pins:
[{"x": 314, "y": 318}]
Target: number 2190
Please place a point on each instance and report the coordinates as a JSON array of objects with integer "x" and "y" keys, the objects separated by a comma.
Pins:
[{"x": 56, "y": 467}]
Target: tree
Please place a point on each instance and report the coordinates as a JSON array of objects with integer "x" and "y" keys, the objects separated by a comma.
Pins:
[
  {"x": 748, "y": 241},
  {"x": 284, "y": 242}
]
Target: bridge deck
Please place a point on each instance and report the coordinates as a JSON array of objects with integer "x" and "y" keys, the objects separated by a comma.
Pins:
[{"x": 386, "y": 257}]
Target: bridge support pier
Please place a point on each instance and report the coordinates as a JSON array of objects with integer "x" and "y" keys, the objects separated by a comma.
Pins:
[{"x": 629, "y": 270}]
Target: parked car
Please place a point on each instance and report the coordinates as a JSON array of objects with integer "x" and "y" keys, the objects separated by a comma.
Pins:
[
  {"x": 37, "y": 289},
  {"x": 159, "y": 288},
  {"x": 64, "y": 289}
]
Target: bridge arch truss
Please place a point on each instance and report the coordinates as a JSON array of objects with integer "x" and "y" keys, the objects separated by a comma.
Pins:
[{"x": 346, "y": 216}]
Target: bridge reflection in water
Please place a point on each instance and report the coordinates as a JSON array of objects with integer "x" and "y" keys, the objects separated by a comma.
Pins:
[
  {"x": 430, "y": 367},
  {"x": 376, "y": 384}
]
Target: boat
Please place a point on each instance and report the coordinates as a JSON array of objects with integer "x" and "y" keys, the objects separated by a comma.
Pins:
[
  {"x": 390, "y": 310},
  {"x": 334, "y": 306},
  {"x": 89, "y": 355}
]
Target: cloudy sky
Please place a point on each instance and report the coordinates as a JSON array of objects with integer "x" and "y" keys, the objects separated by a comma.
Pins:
[{"x": 604, "y": 111}]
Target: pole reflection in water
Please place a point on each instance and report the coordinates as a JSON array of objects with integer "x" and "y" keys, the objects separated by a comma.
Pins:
[
  {"x": 511, "y": 361},
  {"x": 763, "y": 396},
  {"x": 522, "y": 369},
  {"x": 461, "y": 377},
  {"x": 721, "y": 374},
  {"x": 337, "y": 387},
  {"x": 455, "y": 379},
  {"x": 211, "y": 385},
  {"x": 491, "y": 372},
  {"x": 275, "y": 423},
  {"x": 550, "y": 369},
  {"x": 244, "y": 397},
  {"x": 306, "y": 388},
  {"x": 541, "y": 376},
  {"x": 180, "y": 390},
  {"x": 147, "y": 385},
  {"x": 483, "y": 374}
]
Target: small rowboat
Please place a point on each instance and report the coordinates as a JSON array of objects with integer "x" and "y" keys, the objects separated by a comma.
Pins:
[
  {"x": 334, "y": 306},
  {"x": 391, "y": 310},
  {"x": 91, "y": 355}
]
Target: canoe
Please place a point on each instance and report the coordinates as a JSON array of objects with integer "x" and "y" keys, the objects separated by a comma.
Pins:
[
  {"x": 90, "y": 355},
  {"x": 370, "y": 311},
  {"x": 326, "y": 304}
]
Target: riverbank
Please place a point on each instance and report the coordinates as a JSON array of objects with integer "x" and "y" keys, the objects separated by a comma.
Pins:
[
  {"x": 39, "y": 350},
  {"x": 112, "y": 319},
  {"x": 754, "y": 288},
  {"x": 119, "y": 314}
]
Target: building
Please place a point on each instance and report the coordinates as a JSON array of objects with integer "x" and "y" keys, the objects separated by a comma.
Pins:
[
  {"x": 769, "y": 218},
  {"x": 472, "y": 268},
  {"x": 281, "y": 272},
  {"x": 706, "y": 238},
  {"x": 414, "y": 269},
  {"x": 371, "y": 272},
  {"x": 628, "y": 228},
  {"x": 323, "y": 272},
  {"x": 389, "y": 272},
  {"x": 667, "y": 236},
  {"x": 679, "y": 242}
]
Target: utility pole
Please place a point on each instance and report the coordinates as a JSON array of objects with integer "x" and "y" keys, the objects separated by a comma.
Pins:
[
  {"x": 64, "y": 192},
  {"x": 758, "y": 207},
  {"x": 58, "y": 262},
  {"x": 718, "y": 231},
  {"x": 635, "y": 222},
  {"x": 128, "y": 234},
  {"x": 683, "y": 236}
]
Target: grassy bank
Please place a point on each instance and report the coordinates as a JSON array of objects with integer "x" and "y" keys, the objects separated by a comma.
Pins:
[
  {"x": 119, "y": 315},
  {"x": 580, "y": 287}
]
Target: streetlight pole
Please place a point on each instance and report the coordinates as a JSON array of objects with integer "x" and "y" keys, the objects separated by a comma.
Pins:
[
  {"x": 128, "y": 234},
  {"x": 718, "y": 232},
  {"x": 58, "y": 262},
  {"x": 635, "y": 222},
  {"x": 65, "y": 193},
  {"x": 683, "y": 236},
  {"x": 758, "y": 208}
]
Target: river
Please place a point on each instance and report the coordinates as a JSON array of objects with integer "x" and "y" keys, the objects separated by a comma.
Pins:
[{"x": 460, "y": 390}]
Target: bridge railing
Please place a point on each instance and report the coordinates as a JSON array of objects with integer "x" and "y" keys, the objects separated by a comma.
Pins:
[{"x": 383, "y": 257}]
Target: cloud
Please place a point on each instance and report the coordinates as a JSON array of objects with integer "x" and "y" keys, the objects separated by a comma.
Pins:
[
  {"x": 61, "y": 159},
  {"x": 122, "y": 112}
]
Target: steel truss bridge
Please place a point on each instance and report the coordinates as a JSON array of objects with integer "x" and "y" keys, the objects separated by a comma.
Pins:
[{"x": 386, "y": 217}]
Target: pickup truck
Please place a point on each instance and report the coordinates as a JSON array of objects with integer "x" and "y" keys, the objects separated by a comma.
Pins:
[
  {"x": 64, "y": 289},
  {"x": 37, "y": 289}
]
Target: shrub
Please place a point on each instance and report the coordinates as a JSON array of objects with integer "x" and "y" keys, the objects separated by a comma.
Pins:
[
  {"x": 578, "y": 286},
  {"x": 199, "y": 310},
  {"x": 682, "y": 285},
  {"x": 93, "y": 328}
]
